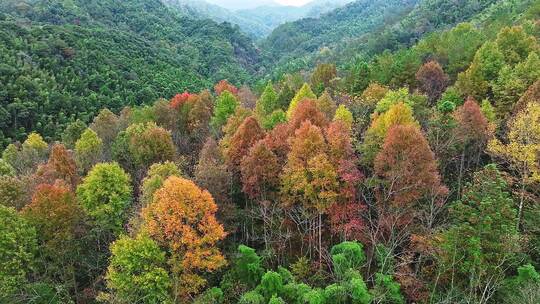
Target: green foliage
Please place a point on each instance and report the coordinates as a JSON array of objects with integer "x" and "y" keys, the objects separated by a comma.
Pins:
[
  {"x": 89, "y": 55},
  {"x": 314, "y": 296},
  {"x": 137, "y": 272},
  {"x": 47, "y": 293},
  {"x": 346, "y": 256},
  {"x": 6, "y": 169},
  {"x": 512, "y": 82},
  {"x": 13, "y": 192},
  {"x": 105, "y": 195},
  {"x": 301, "y": 269},
  {"x": 358, "y": 78},
  {"x": 156, "y": 175},
  {"x": 370, "y": 27},
  {"x": 11, "y": 155},
  {"x": 18, "y": 245},
  {"x": 484, "y": 235},
  {"x": 271, "y": 284},
  {"x": 213, "y": 295},
  {"x": 523, "y": 287},
  {"x": 276, "y": 300},
  {"x": 252, "y": 297},
  {"x": 305, "y": 92},
  {"x": 226, "y": 105},
  {"x": 88, "y": 150},
  {"x": 335, "y": 293},
  {"x": 65, "y": 61},
  {"x": 393, "y": 97},
  {"x": 455, "y": 47},
  {"x": 386, "y": 290},
  {"x": 277, "y": 117},
  {"x": 72, "y": 133},
  {"x": 267, "y": 103},
  {"x": 358, "y": 290},
  {"x": 26, "y": 157},
  {"x": 488, "y": 110},
  {"x": 449, "y": 101},
  {"x": 248, "y": 267},
  {"x": 515, "y": 44},
  {"x": 147, "y": 144}
]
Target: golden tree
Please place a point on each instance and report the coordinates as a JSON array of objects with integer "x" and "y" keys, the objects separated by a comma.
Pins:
[
  {"x": 522, "y": 152},
  {"x": 182, "y": 219}
]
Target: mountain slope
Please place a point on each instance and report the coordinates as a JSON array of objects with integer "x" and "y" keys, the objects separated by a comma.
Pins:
[
  {"x": 257, "y": 22},
  {"x": 273, "y": 16},
  {"x": 364, "y": 27},
  {"x": 64, "y": 60},
  {"x": 204, "y": 10},
  {"x": 311, "y": 34}
]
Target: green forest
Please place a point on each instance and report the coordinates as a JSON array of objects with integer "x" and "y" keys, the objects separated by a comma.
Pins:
[{"x": 385, "y": 152}]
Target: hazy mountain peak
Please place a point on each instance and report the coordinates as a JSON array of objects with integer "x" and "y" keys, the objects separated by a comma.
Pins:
[{"x": 243, "y": 4}]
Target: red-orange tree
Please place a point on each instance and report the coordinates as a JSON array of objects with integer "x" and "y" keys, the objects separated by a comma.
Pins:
[
  {"x": 309, "y": 180},
  {"x": 411, "y": 191},
  {"x": 407, "y": 165},
  {"x": 432, "y": 80},
  {"x": 346, "y": 214},
  {"x": 56, "y": 215},
  {"x": 472, "y": 133},
  {"x": 182, "y": 219},
  {"x": 247, "y": 134},
  {"x": 276, "y": 140},
  {"x": 225, "y": 85},
  {"x": 307, "y": 110},
  {"x": 60, "y": 166},
  {"x": 260, "y": 181},
  {"x": 260, "y": 172}
]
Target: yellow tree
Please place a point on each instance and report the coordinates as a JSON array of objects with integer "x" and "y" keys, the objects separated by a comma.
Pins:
[
  {"x": 522, "y": 152},
  {"x": 309, "y": 181},
  {"x": 182, "y": 219}
]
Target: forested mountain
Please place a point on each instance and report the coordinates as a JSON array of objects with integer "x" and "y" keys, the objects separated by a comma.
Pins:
[
  {"x": 273, "y": 16},
  {"x": 203, "y": 10},
  {"x": 407, "y": 171},
  {"x": 364, "y": 28},
  {"x": 64, "y": 60},
  {"x": 257, "y": 22}
]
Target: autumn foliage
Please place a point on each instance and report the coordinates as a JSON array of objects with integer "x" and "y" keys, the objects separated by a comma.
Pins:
[
  {"x": 179, "y": 100},
  {"x": 408, "y": 166},
  {"x": 182, "y": 219},
  {"x": 260, "y": 171},
  {"x": 432, "y": 80},
  {"x": 224, "y": 85},
  {"x": 247, "y": 134}
]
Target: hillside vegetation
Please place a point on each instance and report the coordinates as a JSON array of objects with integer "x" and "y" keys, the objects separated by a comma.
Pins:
[
  {"x": 405, "y": 174},
  {"x": 65, "y": 60},
  {"x": 256, "y": 22},
  {"x": 366, "y": 28}
]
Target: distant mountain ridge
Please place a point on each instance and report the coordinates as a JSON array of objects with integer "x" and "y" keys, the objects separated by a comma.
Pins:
[
  {"x": 70, "y": 58},
  {"x": 256, "y": 22},
  {"x": 362, "y": 28}
]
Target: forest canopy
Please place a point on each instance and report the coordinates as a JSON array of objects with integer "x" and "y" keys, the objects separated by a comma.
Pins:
[{"x": 149, "y": 163}]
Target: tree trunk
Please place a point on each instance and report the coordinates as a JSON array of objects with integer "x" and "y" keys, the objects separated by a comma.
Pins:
[
  {"x": 460, "y": 176},
  {"x": 320, "y": 240}
]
